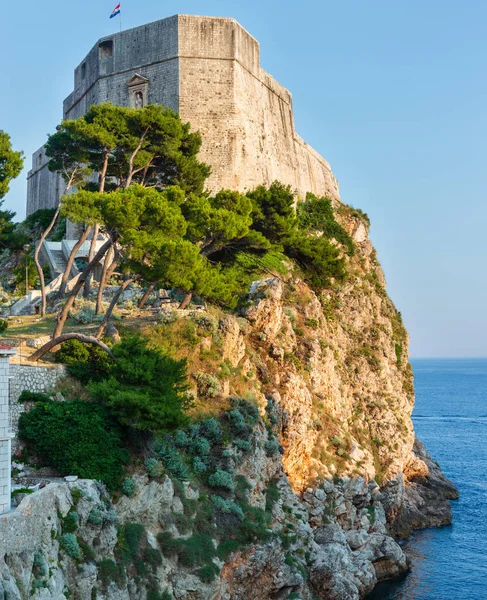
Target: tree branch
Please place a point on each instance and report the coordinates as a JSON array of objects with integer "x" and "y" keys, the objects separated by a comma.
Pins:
[{"x": 57, "y": 341}]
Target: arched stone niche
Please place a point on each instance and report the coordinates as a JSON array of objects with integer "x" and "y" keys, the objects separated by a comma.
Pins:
[{"x": 138, "y": 91}]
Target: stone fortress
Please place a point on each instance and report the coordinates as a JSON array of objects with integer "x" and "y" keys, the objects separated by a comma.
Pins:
[{"x": 208, "y": 69}]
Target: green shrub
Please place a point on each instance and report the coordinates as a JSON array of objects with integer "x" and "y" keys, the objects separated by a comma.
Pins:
[
  {"x": 108, "y": 571},
  {"x": 198, "y": 465},
  {"x": 208, "y": 573},
  {"x": 399, "y": 351},
  {"x": 237, "y": 420},
  {"x": 316, "y": 215},
  {"x": 153, "y": 467},
  {"x": 243, "y": 445},
  {"x": 129, "y": 487},
  {"x": 196, "y": 550},
  {"x": 208, "y": 385},
  {"x": 95, "y": 517},
  {"x": 200, "y": 447},
  {"x": 76, "y": 438},
  {"x": 70, "y": 545},
  {"x": 248, "y": 408},
  {"x": 181, "y": 439},
  {"x": 212, "y": 429},
  {"x": 272, "y": 446},
  {"x": 27, "y": 396},
  {"x": 226, "y": 547},
  {"x": 85, "y": 362},
  {"x": 169, "y": 546},
  {"x": 88, "y": 552},
  {"x": 221, "y": 479},
  {"x": 130, "y": 537},
  {"x": 312, "y": 323},
  {"x": 152, "y": 557},
  {"x": 271, "y": 495},
  {"x": 3, "y": 326},
  {"x": 70, "y": 522},
  {"x": 171, "y": 459},
  {"x": 40, "y": 565},
  {"x": 144, "y": 388},
  {"x": 227, "y": 506}
]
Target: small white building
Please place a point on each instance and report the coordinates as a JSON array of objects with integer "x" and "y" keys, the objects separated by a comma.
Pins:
[{"x": 5, "y": 429}]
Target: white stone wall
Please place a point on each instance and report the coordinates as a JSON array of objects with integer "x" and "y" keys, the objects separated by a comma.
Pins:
[
  {"x": 5, "y": 435},
  {"x": 33, "y": 379}
]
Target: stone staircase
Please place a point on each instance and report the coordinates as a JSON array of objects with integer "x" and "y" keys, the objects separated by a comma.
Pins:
[{"x": 59, "y": 261}]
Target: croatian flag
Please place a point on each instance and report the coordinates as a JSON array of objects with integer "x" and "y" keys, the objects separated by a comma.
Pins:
[{"x": 116, "y": 11}]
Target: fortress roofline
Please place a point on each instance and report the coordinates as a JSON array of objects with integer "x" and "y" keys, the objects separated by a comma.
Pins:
[{"x": 119, "y": 34}]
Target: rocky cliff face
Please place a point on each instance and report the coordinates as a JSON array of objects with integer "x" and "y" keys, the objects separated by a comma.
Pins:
[{"x": 331, "y": 377}]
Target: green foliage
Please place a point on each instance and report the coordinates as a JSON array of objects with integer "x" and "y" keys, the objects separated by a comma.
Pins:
[
  {"x": 11, "y": 163},
  {"x": 222, "y": 480},
  {"x": 272, "y": 446},
  {"x": 153, "y": 467},
  {"x": 199, "y": 466},
  {"x": 70, "y": 545},
  {"x": 3, "y": 326},
  {"x": 313, "y": 323},
  {"x": 212, "y": 429},
  {"x": 271, "y": 495},
  {"x": 316, "y": 215},
  {"x": 399, "y": 351},
  {"x": 171, "y": 459},
  {"x": 197, "y": 550},
  {"x": 85, "y": 362},
  {"x": 27, "y": 396},
  {"x": 88, "y": 552},
  {"x": 181, "y": 440},
  {"x": 108, "y": 571},
  {"x": 40, "y": 220},
  {"x": 200, "y": 446},
  {"x": 144, "y": 388},
  {"x": 130, "y": 537},
  {"x": 76, "y": 438},
  {"x": 70, "y": 522},
  {"x": 208, "y": 385},
  {"x": 208, "y": 573},
  {"x": 273, "y": 212},
  {"x": 96, "y": 516},
  {"x": 227, "y": 506},
  {"x": 164, "y": 150},
  {"x": 19, "y": 271},
  {"x": 129, "y": 487}
]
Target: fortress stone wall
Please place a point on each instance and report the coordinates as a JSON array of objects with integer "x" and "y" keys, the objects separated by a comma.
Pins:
[{"x": 209, "y": 70}]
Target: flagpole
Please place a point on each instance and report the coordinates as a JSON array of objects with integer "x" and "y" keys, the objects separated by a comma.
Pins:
[{"x": 120, "y": 21}]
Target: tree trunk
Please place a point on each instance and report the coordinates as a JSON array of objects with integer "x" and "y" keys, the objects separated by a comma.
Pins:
[
  {"x": 186, "y": 300},
  {"x": 40, "y": 272},
  {"x": 101, "y": 189},
  {"x": 63, "y": 315},
  {"x": 103, "y": 281},
  {"x": 146, "y": 295},
  {"x": 86, "y": 339},
  {"x": 96, "y": 230},
  {"x": 113, "y": 303},
  {"x": 69, "y": 264}
]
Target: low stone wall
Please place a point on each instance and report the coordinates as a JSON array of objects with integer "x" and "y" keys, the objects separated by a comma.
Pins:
[{"x": 39, "y": 379}]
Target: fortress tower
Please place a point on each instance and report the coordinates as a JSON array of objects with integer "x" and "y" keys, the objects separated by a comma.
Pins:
[{"x": 207, "y": 69}]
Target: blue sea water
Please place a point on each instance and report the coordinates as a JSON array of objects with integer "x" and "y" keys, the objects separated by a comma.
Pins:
[{"x": 450, "y": 417}]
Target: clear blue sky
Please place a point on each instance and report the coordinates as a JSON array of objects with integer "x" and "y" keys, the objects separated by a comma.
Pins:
[{"x": 393, "y": 94}]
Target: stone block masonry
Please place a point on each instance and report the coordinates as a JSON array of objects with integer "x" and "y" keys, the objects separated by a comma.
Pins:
[
  {"x": 38, "y": 379},
  {"x": 5, "y": 430},
  {"x": 208, "y": 69}
]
